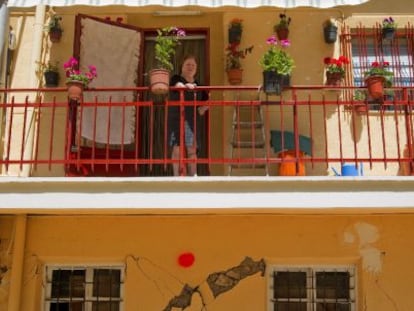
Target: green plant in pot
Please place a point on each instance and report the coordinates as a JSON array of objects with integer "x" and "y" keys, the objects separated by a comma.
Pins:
[
  {"x": 335, "y": 69},
  {"x": 234, "y": 56},
  {"x": 165, "y": 43},
  {"x": 277, "y": 65},
  {"x": 282, "y": 27},
  {"x": 50, "y": 71},
  {"x": 235, "y": 30},
  {"x": 388, "y": 28},
  {"x": 76, "y": 80},
  {"x": 377, "y": 77},
  {"x": 54, "y": 27}
]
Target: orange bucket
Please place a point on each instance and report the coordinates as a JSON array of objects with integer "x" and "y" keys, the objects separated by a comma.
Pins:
[{"x": 288, "y": 165}]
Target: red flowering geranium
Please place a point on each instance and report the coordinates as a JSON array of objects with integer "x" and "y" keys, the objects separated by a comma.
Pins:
[
  {"x": 336, "y": 65},
  {"x": 235, "y": 55}
]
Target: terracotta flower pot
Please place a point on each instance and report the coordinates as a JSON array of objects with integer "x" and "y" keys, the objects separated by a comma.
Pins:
[
  {"x": 55, "y": 34},
  {"x": 288, "y": 166},
  {"x": 333, "y": 78},
  {"x": 234, "y": 76},
  {"x": 282, "y": 33},
  {"x": 75, "y": 90},
  {"x": 375, "y": 86},
  {"x": 159, "y": 81}
]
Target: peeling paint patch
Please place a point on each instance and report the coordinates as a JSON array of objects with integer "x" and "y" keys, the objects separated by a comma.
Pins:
[{"x": 365, "y": 235}]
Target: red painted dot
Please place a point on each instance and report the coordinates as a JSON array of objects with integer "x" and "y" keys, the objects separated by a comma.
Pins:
[{"x": 186, "y": 260}]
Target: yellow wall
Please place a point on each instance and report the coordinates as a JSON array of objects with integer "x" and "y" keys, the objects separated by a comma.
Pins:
[{"x": 380, "y": 247}]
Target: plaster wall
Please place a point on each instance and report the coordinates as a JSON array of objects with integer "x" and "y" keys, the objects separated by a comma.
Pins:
[{"x": 379, "y": 246}]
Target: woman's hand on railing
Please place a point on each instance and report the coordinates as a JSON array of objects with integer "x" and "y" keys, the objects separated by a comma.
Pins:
[{"x": 202, "y": 110}]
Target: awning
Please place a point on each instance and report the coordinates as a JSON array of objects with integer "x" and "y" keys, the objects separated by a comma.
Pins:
[{"x": 202, "y": 3}]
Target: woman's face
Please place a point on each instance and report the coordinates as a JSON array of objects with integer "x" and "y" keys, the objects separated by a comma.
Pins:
[{"x": 189, "y": 67}]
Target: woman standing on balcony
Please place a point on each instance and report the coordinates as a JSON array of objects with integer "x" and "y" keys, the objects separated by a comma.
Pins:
[{"x": 185, "y": 80}]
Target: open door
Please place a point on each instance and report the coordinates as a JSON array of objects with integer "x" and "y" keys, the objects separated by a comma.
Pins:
[{"x": 114, "y": 49}]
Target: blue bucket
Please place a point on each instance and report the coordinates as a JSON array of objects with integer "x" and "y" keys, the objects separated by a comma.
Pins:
[{"x": 350, "y": 169}]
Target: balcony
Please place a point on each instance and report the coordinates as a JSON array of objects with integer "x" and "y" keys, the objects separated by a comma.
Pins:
[{"x": 308, "y": 130}]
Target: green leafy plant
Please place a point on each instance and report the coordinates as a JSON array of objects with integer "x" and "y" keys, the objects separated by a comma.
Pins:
[
  {"x": 74, "y": 74},
  {"x": 389, "y": 23},
  {"x": 235, "y": 55},
  {"x": 276, "y": 57},
  {"x": 380, "y": 69},
  {"x": 284, "y": 22},
  {"x": 54, "y": 22},
  {"x": 336, "y": 65},
  {"x": 165, "y": 44},
  {"x": 48, "y": 67}
]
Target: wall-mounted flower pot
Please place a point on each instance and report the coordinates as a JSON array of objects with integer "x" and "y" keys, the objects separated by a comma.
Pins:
[
  {"x": 235, "y": 34},
  {"x": 333, "y": 78},
  {"x": 375, "y": 86},
  {"x": 388, "y": 33},
  {"x": 55, "y": 34},
  {"x": 235, "y": 76},
  {"x": 273, "y": 83},
  {"x": 282, "y": 33},
  {"x": 159, "y": 81},
  {"x": 51, "y": 78},
  {"x": 330, "y": 33},
  {"x": 75, "y": 90}
]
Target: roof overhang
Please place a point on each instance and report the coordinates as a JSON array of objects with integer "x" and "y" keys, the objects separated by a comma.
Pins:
[{"x": 181, "y": 3}]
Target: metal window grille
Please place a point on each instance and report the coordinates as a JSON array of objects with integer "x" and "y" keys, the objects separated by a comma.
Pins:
[
  {"x": 366, "y": 45},
  {"x": 84, "y": 289},
  {"x": 312, "y": 289}
]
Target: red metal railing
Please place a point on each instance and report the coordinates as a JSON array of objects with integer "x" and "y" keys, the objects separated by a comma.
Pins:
[{"x": 245, "y": 132}]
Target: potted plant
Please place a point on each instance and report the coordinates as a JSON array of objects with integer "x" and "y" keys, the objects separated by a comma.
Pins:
[
  {"x": 330, "y": 31},
  {"x": 54, "y": 28},
  {"x": 235, "y": 30},
  {"x": 165, "y": 43},
  {"x": 282, "y": 27},
  {"x": 50, "y": 73},
  {"x": 377, "y": 77},
  {"x": 76, "y": 80},
  {"x": 388, "y": 28},
  {"x": 277, "y": 65},
  {"x": 335, "y": 69},
  {"x": 233, "y": 62}
]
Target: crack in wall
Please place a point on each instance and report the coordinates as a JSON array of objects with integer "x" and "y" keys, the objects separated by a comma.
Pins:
[{"x": 218, "y": 282}]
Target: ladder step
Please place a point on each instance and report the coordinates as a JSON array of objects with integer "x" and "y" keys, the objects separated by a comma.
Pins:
[
  {"x": 248, "y": 165},
  {"x": 247, "y": 125},
  {"x": 248, "y": 144}
]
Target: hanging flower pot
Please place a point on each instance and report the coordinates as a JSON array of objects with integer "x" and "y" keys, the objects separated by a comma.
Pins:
[
  {"x": 51, "y": 78},
  {"x": 235, "y": 30},
  {"x": 234, "y": 76},
  {"x": 159, "y": 81},
  {"x": 55, "y": 34},
  {"x": 235, "y": 34},
  {"x": 375, "y": 86},
  {"x": 330, "y": 32},
  {"x": 273, "y": 83},
  {"x": 282, "y": 33},
  {"x": 282, "y": 27},
  {"x": 333, "y": 78},
  {"x": 388, "y": 33},
  {"x": 75, "y": 90}
]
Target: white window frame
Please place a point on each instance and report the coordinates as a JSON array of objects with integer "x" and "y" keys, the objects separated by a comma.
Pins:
[
  {"x": 89, "y": 269},
  {"x": 311, "y": 277}
]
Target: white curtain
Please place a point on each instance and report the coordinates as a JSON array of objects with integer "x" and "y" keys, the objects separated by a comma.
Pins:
[{"x": 114, "y": 51}]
